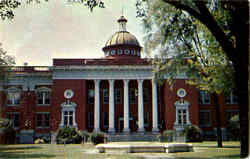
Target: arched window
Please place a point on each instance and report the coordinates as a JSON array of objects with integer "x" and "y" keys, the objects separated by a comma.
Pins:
[
  {"x": 13, "y": 96},
  {"x": 43, "y": 96}
]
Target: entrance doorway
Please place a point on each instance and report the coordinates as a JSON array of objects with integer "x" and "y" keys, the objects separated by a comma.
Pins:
[{"x": 121, "y": 123}]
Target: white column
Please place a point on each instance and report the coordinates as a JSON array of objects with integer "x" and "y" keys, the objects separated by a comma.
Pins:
[
  {"x": 140, "y": 107},
  {"x": 74, "y": 118},
  {"x": 126, "y": 107},
  {"x": 62, "y": 121},
  {"x": 111, "y": 107},
  {"x": 155, "y": 106},
  {"x": 187, "y": 116},
  {"x": 176, "y": 116},
  {"x": 97, "y": 105}
]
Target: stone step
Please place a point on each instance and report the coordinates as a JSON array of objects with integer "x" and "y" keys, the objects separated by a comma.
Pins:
[{"x": 132, "y": 137}]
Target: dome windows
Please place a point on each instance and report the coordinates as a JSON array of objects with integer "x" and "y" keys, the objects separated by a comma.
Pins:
[
  {"x": 113, "y": 52},
  {"x": 127, "y": 51},
  {"x": 119, "y": 52}
]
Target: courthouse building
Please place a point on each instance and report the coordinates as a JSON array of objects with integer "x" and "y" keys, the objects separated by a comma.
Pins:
[{"x": 116, "y": 94}]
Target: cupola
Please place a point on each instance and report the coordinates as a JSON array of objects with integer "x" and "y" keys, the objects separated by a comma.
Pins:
[{"x": 122, "y": 44}]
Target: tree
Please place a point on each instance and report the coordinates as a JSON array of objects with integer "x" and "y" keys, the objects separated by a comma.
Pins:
[
  {"x": 227, "y": 52},
  {"x": 5, "y": 62}
]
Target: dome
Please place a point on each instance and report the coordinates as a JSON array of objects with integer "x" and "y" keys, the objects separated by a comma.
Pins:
[
  {"x": 122, "y": 44},
  {"x": 122, "y": 37}
]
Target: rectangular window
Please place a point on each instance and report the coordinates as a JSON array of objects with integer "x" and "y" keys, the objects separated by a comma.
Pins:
[
  {"x": 13, "y": 98},
  {"x": 68, "y": 118},
  {"x": 205, "y": 118},
  {"x": 146, "y": 119},
  {"x": 43, "y": 120},
  {"x": 232, "y": 98},
  {"x": 15, "y": 119},
  {"x": 182, "y": 116},
  {"x": 118, "y": 99},
  {"x": 91, "y": 96},
  {"x": 132, "y": 96},
  {"x": 105, "y": 95},
  {"x": 43, "y": 97},
  {"x": 146, "y": 96},
  {"x": 90, "y": 119},
  {"x": 105, "y": 119},
  {"x": 204, "y": 97}
]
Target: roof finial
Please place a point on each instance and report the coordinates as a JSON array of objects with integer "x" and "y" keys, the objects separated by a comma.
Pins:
[{"x": 122, "y": 23}]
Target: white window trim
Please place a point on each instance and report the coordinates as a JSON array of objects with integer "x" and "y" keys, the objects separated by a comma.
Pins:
[
  {"x": 66, "y": 107},
  {"x": 13, "y": 90},
  {"x": 181, "y": 105},
  {"x": 203, "y": 96},
  {"x": 43, "y": 90}
]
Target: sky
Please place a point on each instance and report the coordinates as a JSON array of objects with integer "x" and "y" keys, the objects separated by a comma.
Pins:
[{"x": 64, "y": 29}]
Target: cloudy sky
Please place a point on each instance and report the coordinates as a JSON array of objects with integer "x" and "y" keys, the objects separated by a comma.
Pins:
[{"x": 60, "y": 29}]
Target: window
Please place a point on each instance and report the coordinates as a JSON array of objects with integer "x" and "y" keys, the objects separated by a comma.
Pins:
[
  {"x": 15, "y": 119},
  {"x": 91, "y": 96},
  {"x": 105, "y": 96},
  {"x": 132, "y": 96},
  {"x": 232, "y": 98},
  {"x": 113, "y": 52},
  {"x": 90, "y": 119},
  {"x": 13, "y": 96},
  {"x": 146, "y": 96},
  {"x": 119, "y": 52},
  {"x": 43, "y": 120},
  {"x": 133, "y": 52},
  {"x": 43, "y": 96},
  {"x": 182, "y": 116},
  {"x": 105, "y": 119},
  {"x": 118, "y": 99},
  {"x": 146, "y": 119},
  {"x": 205, "y": 118},
  {"x": 68, "y": 118},
  {"x": 204, "y": 97},
  {"x": 127, "y": 52}
]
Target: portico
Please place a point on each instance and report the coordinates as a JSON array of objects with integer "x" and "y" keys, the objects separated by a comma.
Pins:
[{"x": 126, "y": 106}]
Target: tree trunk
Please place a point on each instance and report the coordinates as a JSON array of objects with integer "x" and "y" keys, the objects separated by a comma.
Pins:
[{"x": 218, "y": 121}]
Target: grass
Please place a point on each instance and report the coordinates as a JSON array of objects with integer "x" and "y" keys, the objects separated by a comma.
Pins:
[{"x": 205, "y": 150}]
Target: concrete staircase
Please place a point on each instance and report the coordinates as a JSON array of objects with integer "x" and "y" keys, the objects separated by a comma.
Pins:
[{"x": 122, "y": 137}]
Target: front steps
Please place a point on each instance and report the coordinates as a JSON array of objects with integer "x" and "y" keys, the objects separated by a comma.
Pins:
[{"x": 124, "y": 137}]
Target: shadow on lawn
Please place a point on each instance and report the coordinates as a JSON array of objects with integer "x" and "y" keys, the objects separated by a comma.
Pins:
[
  {"x": 23, "y": 155},
  {"x": 22, "y": 152},
  {"x": 8, "y": 148}
]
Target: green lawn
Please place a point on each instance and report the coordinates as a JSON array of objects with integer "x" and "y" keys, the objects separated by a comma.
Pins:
[{"x": 205, "y": 150}]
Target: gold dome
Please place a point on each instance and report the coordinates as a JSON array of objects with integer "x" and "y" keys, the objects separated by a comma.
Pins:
[{"x": 121, "y": 38}]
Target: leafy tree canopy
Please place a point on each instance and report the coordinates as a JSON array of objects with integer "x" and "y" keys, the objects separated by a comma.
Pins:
[{"x": 187, "y": 45}]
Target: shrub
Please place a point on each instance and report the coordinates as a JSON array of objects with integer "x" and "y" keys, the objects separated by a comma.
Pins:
[
  {"x": 84, "y": 135},
  {"x": 166, "y": 136},
  {"x": 233, "y": 128},
  {"x": 68, "y": 136},
  {"x": 97, "y": 137},
  {"x": 193, "y": 133}
]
